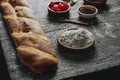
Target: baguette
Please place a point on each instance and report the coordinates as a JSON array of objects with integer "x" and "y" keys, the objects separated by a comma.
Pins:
[{"x": 33, "y": 47}]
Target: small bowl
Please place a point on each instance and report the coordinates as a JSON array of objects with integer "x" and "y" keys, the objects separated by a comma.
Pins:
[
  {"x": 87, "y": 11},
  {"x": 69, "y": 39},
  {"x": 96, "y": 2},
  {"x": 55, "y": 14}
]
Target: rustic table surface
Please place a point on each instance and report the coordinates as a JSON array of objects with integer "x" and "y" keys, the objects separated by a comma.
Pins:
[{"x": 105, "y": 53}]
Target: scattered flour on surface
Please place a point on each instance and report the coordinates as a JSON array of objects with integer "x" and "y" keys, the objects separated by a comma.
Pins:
[
  {"x": 108, "y": 26},
  {"x": 109, "y": 30},
  {"x": 98, "y": 34},
  {"x": 116, "y": 9}
]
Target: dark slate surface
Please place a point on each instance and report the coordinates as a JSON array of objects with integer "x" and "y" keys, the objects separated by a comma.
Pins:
[{"x": 105, "y": 53}]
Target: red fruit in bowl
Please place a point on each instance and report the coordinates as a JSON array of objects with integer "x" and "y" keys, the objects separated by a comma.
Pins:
[
  {"x": 55, "y": 8},
  {"x": 61, "y": 6},
  {"x": 65, "y": 5},
  {"x": 52, "y": 4}
]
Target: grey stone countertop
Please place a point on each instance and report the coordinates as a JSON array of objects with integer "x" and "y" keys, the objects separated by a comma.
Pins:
[{"x": 105, "y": 53}]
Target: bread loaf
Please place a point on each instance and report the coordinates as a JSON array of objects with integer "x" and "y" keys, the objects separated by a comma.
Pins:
[{"x": 32, "y": 45}]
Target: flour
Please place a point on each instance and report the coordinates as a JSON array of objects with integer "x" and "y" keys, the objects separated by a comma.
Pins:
[
  {"x": 109, "y": 31},
  {"x": 108, "y": 26},
  {"x": 98, "y": 34},
  {"x": 76, "y": 38},
  {"x": 115, "y": 9}
]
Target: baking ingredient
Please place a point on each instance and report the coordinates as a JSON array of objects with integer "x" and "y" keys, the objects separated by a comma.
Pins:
[
  {"x": 87, "y": 10},
  {"x": 76, "y": 38}
]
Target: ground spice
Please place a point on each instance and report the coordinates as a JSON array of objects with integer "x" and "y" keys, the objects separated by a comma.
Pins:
[{"x": 87, "y": 10}]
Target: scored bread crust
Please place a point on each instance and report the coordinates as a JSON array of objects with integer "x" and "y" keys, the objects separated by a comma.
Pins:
[{"x": 32, "y": 45}]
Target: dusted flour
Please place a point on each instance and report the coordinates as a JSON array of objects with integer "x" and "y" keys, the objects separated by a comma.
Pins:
[{"x": 76, "y": 38}]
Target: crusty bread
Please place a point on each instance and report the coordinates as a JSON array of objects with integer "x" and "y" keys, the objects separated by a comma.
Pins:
[{"x": 33, "y": 47}]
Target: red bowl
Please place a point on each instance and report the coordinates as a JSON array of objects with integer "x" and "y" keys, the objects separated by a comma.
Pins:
[{"x": 53, "y": 13}]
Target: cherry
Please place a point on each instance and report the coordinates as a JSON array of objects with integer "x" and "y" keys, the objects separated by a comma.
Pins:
[
  {"x": 61, "y": 6},
  {"x": 56, "y": 8},
  {"x": 52, "y": 4},
  {"x": 65, "y": 5}
]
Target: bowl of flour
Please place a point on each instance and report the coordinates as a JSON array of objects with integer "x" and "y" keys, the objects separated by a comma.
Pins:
[{"x": 75, "y": 38}]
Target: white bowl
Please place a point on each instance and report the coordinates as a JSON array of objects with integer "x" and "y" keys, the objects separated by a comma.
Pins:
[{"x": 88, "y": 8}]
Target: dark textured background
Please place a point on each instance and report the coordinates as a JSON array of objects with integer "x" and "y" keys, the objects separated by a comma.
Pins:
[{"x": 103, "y": 56}]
